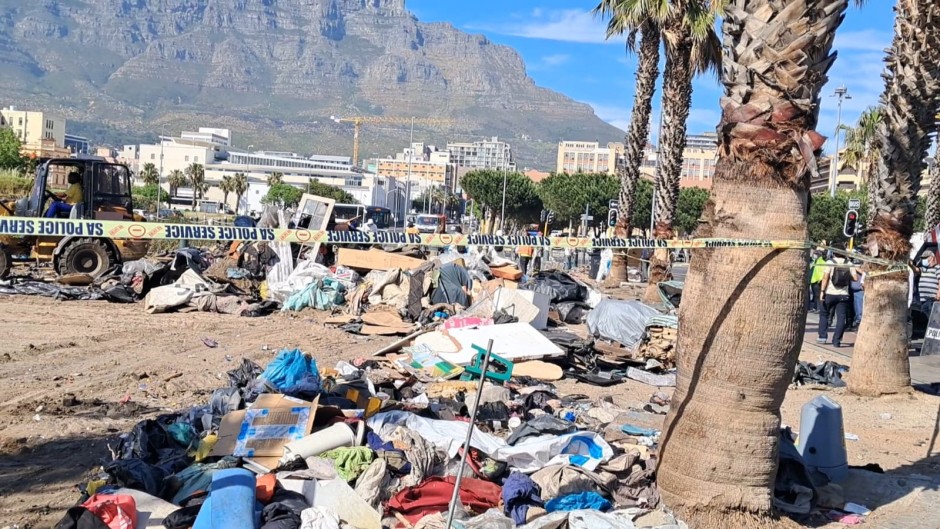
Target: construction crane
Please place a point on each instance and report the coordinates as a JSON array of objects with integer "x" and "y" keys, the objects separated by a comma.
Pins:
[{"x": 357, "y": 121}]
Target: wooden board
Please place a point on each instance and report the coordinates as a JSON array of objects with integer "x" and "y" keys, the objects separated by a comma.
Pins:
[
  {"x": 538, "y": 370},
  {"x": 383, "y": 319},
  {"x": 375, "y": 260},
  {"x": 507, "y": 272},
  {"x": 373, "y": 330}
]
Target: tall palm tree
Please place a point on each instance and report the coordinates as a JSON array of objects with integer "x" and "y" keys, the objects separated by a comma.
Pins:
[
  {"x": 640, "y": 21},
  {"x": 912, "y": 82},
  {"x": 275, "y": 178},
  {"x": 742, "y": 318},
  {"x": 226, "y": 186},
  {"x": 932, "y": 210},
  {"x": 197, "y": 178},
  {"x": 176, "y": 180},
  {"x": 692, "y": 48},
  {"x": 239, "y": 187},
  {"x": 859, "y": 152},
  {"x": 149, "y": 174}
]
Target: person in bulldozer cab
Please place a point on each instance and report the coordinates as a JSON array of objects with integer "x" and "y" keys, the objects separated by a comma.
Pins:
[{"x": 71, "y": 197}]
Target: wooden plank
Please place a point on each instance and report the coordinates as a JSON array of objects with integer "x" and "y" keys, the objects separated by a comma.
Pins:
[
  {"x": 506, "y": 272},
  {"x": 375, "y": 260},
  {"x": 383, "y": 319}
]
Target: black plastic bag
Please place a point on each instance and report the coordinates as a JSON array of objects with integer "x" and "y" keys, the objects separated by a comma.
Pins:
[
  {"x": 137, "y": 474},
  {"x": 225, "y": 400},
  {"x": 145, "y": 441},
  {"x": 558, "y": 286},
  {"x": 244, "y": 374},
  {"x": 284, "y": 510},
  {"x": 80, "y": 518}
]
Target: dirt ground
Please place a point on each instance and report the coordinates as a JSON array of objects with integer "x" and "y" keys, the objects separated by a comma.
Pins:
[{"x": 75, "y": 375}]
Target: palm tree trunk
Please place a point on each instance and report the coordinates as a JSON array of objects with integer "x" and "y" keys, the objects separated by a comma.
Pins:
[
  {"x": 912, "y": 82},
  {"x": 635, "y": 141},
  {"x": 932, "y": 210},
  {"x": 677, "y": 101},
  {"x": 742, "y": 318}
]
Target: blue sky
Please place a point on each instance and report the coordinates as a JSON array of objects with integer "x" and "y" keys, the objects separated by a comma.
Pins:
[{"x": 564, "y": 49}]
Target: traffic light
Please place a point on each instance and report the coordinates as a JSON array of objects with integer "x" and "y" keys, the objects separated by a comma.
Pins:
[
  {"x": 551, "y": 216},
  {"x": 612, "y": 218},
  {"x": 543, "y": 216},
  {"x": 851, "y": 223}
]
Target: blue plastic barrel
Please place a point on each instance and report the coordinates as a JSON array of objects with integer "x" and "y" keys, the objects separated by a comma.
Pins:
[
  {"x": 231, "y": 502},
  {"x": 822, "y": 438}
]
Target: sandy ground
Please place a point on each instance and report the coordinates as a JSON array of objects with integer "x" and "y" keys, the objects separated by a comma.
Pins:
[{"x": 123, "y": 365}]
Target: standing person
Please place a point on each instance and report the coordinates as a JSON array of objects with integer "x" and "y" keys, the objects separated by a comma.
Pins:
[
  {"x": 858, "y": 298},
  {"x": 525, "y": 255},
  {"x": 411, "y": 229},
  {"x": 928, "y": 280},
  {"x": 818, "y": 270},
  {"x": 834, "y": 294}
]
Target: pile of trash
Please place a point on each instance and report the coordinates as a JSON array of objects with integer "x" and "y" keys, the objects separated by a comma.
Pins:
[{"x": 381, "y": 442}]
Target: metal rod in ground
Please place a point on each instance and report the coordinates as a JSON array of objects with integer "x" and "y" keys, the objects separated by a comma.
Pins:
[{"x": 466, "y": 444}]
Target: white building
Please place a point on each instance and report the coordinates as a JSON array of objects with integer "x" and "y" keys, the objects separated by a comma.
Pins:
[{"x": 485, "y": 154}]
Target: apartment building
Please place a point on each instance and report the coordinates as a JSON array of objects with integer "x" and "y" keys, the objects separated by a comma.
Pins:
[
  {"x": 588, "y": 157},
  {"x": 35, "y": 128}
]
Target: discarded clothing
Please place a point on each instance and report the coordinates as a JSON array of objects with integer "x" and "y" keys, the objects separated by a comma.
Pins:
[
  {"x": 794, "y": 490},
  {"x": 324, "y": 294},
  {"x": 434, "y": 494},
  {"x": 586, "y": 449},
  {"x": 117, "y": 511},
  {"x": 349, "y": 461},
  {"x": 136, "y": 474},
  {"x": 374, "y": 482},
  {"x": 541, "y": 425},
  {"x": 80, "y": 518},
  {"x": 284, "y": 511},
  {"x": 318, "y": 518},
  {"x": 581, "y": 500},
  {"x": 197, "y": 477},
  {"x": 562, "y": 480},
  {"x": 520, "y": 493}
]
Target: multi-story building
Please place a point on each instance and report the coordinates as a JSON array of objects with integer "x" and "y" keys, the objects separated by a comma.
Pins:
[
  {"x": 588, "y": 157},
  {"x": 484, "y": 154},
  {"x": 77, "y": 144},
  {"x": 221, "y": 137},
  {"x": 35, "y": 128},
  {"x": 698, "y": 161},
  {"x": 849, "y": 179}
]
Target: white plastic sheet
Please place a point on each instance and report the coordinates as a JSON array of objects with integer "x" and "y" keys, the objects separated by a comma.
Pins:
[
  {"x": 585, "y": 449},
  {"x": 620, "y": 321},
  {"x": 305, "y": 273}
]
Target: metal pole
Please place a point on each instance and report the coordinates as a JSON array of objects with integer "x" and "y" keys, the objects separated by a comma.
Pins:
[
  {"x": 160, "y": 176},
  {"x": 410, "y": 156},
  {"x": 502, "y": 215},
  {"x": 842, "y": 93},
  {"x": 659, "y": 150},
  {"x": 466, "y": 444}
]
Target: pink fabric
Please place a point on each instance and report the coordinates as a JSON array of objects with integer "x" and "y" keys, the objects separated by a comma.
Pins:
[{"x": 118, "y": 511}]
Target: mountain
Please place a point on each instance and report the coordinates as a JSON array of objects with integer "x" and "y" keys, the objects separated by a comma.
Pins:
[{"x": 275, "y": 71}]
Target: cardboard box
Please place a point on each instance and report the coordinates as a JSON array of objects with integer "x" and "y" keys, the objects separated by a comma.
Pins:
[
  {"x": 375, "y": 260},
  {"x": 261, "y": 431}
]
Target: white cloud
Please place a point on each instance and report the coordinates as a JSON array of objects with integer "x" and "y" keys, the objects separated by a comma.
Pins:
[
  {"x": 566, "y": 25},
  {"x": 615, "y": 115},
  {"x": 864, "y": 40},
  {"x": 556, "y": 59}
]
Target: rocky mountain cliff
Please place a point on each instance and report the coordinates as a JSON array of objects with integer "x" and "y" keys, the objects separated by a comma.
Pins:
[{"x": 274, "y": 71}]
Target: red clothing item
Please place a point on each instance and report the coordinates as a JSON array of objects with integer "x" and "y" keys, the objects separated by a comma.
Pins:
[
  {"x": 433, "y": 495},
  {"x": 118, "y": 511}
]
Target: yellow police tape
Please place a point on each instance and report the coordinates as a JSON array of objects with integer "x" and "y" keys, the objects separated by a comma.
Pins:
[{"x": 119, "y": 229}]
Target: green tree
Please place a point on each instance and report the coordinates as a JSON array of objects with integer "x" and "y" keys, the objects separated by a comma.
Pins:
[
  {"x": 691, "y": 205},
  {"x": 486, "y": 186},
  {"x": 909, "y": 105},
  {"x": 176, "y": 180},
  {"x": 149, "y": 196},
  {"x": 859, "y": 152},
  {"x": 149, "y": 174},
  {"x": 643, "y": 205},
  {"x": 10, "y": 156},
  {"x": 239, "y": 187},
  {"x": 568, "y": 194},
  {"x": 636, "y": 19},
  {"x": 827, "y": 215},
  {"x": 283, "y": 195},
  {"x": 197, "y": 180},
  {"x": 341, "y": 196},
  {"x": 226, "y": 186},
  {"x": 747, "y": 307}
]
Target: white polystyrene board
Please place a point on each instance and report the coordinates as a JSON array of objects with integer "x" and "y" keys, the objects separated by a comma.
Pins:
[
  {"x": 512, "y": 341},
  {"x": 150, "y": 510}
]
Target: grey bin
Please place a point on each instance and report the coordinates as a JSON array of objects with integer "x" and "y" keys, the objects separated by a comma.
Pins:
[{"x": 822, "y": 438}]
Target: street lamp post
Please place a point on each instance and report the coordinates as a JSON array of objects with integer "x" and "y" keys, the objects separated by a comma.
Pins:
[
  {"x": 160, "y": 176},
  {"x": 842, "y": 93},
  {"x": 410, "y": 156}
]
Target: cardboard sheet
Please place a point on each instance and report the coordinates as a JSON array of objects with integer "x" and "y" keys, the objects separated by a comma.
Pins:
[{"x": 263, "y": 429}]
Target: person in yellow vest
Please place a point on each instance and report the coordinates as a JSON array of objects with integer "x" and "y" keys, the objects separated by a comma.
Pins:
[
  {"x": 525, "y": 255},
  {"x": 411, "y": 229},
  {"x": 818, "y": 270}
]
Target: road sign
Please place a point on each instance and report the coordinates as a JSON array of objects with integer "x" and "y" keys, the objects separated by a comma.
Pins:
[
  {"x": 587, "y": 217},
  {"x": 855, "y": 203},
  {"x": 614, "y": 204}
]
